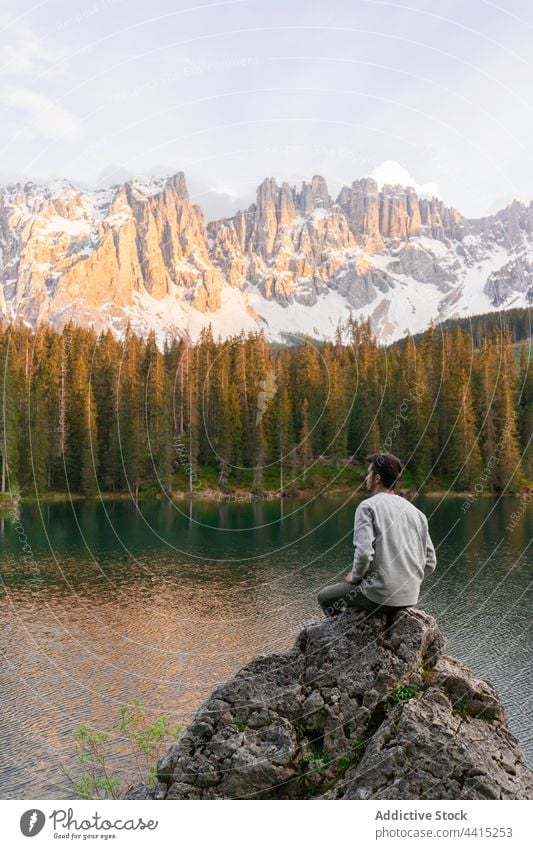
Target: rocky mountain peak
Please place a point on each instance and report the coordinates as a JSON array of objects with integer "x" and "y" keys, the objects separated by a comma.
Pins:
[{"x": 141, "y": 252}]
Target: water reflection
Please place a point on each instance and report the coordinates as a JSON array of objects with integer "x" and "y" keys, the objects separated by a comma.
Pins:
[{"x": 161, "y": 605}]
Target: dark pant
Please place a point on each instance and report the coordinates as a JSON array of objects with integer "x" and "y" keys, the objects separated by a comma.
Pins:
[{"x": 336, "y": 597}]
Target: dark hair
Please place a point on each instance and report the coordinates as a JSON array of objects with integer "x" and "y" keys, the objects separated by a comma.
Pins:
[{"x": 387, "y": 466}]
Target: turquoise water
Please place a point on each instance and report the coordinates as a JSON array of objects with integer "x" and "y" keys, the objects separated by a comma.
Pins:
[{"x": 165, "y": 601}]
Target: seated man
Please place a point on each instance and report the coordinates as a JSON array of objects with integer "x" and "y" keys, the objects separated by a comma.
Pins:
[{"x": 393, "y": 548}]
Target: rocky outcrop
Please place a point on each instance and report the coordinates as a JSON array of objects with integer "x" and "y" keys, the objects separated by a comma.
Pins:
[
  {"x": 63, "y": 248},
  {"x": 515, "y": 277},
  {"x": 416, "y": 262},
  {"x": 361, "y": 708}
]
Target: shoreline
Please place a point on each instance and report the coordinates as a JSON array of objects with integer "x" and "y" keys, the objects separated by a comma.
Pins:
[{"x": 241, "y": 496}]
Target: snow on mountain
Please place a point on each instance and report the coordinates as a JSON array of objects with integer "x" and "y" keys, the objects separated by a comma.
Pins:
[{"x": 295, "y": 262}]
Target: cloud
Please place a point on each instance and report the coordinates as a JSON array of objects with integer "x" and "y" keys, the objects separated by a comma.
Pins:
[
  {"x": 392, "y": 173},
  {"x": 44, "y": 117},
  {"x": 216, "y": 199},
  {"x": 23, "y": 52},
  {"x": 500, "y": 201},
  {"x": 112, "y": 175}
]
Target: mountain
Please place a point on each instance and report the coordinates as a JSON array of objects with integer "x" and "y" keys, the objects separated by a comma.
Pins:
[{"x": 295, "y": 261}]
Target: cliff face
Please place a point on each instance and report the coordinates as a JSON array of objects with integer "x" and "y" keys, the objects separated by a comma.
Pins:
[
  {"x": 301, "y": 244},
  {"x": 64, "y": 249},
  {"x": 362, "y": 708},
  {"x": 142, "y": 252}
]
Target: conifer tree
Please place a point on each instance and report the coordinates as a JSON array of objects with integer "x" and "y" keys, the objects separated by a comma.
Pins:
[
  {"x": 230, "y": 432},
  {"x": 335, "y": 420},
  {"x": 507, "y": 470},
  {"x": 157, "y": 416},
  {"x": 10, "y": 388},
  {"x": 307, "y": 381},
  {"x": 39, "y": 418},
  {"x": 305, "y": 448},
  {"x": 74, "y": 403},
  {"x": 463, "y": 454},
  {"x": 284, "y": 436},
  {"x": 130, "y": 408},
  {"x": 487, "y": 383},
  {"x": 525, "y": 413}
]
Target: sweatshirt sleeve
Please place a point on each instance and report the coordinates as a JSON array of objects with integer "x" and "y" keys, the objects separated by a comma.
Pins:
[
  {"x": 431, "y": 557},
  {"x": 363, "y": 540}
]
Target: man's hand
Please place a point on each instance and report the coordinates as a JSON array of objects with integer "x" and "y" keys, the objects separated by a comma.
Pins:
[{"x": 349, "y": 579}]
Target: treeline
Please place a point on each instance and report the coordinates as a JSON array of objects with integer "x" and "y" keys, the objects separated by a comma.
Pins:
[
  {"x": 83, "y": 412},
  {"x": 517, "y": 321}
]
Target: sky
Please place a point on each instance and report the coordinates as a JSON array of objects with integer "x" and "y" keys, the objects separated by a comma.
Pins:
[{"x": 437, "y": 95}]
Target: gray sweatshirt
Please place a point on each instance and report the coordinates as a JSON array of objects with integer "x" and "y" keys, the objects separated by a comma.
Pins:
[{"x": 393, "y": 549}]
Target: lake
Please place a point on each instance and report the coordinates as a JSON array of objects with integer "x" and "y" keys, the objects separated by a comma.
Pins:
[{"x": 164, "y": 601}]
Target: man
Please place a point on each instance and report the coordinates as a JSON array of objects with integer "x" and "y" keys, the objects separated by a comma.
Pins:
[{"x": 393, "y": 548}]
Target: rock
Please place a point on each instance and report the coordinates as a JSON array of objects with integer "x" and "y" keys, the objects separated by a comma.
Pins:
[
  {"x": 421, "y": 265},
  {"x": 361, "y": 206},
  {"x": 142, "y": 253},
  {"x": 361, "y": 708},
  {"x": 516, "y": 276}
]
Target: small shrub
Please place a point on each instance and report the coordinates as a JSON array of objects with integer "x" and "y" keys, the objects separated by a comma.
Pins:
[
  {"x": 427, "y": 674},
  {"x": 316, "y": 761},
  {"x": 265, "y": 722},
  {"x": 343, "y": 763},
  {"x": 401, "y": 694},
  {"x": 359, "y": 748},
  {"x": 460, "y": 709},
  {"x": 98, "y": 780}
]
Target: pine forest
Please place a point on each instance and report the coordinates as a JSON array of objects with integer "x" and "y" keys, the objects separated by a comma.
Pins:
[{"x": 85, "y": 414}]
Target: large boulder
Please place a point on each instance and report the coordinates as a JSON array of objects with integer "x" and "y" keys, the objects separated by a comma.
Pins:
[{"x": 362, "y": 708}]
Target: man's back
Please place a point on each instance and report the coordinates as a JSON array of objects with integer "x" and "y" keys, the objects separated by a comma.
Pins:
[{"x": 393, "y": 549}]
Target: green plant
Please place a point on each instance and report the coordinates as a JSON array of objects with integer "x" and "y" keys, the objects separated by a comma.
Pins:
[
  {"x": 264, "y": 722},
  {"x": 239, "y": 726},
  {"x": 299, "y": 727},
  {"x": 316, "y": 761},
  {"x": 353, "y": 756},
  {"x": 343, "y": 764},
  {"x": 399, "y": 695},
  {"x": 460, "y": 709},
  {"x": 427, "y": 675},
  {"x": 93, "y": 751},
  {"x": 145, "y": 740},
  {"x": 359, "y": 748},
  {"x": 91, "y": 756}
]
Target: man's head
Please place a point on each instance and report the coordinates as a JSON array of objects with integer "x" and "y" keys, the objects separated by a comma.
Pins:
[{"x": 383, "y": 472}]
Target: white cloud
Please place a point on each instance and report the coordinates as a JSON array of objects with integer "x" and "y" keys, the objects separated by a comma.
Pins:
[
  {"x": 500, "y": 201},
  {"x": 392, "y": 173},
  {"x": 216, "y": 199},
  {"x": 23, "y": 52},
  {"x": 111, "y": 175},
  {"x": 44, "y": 117}
]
